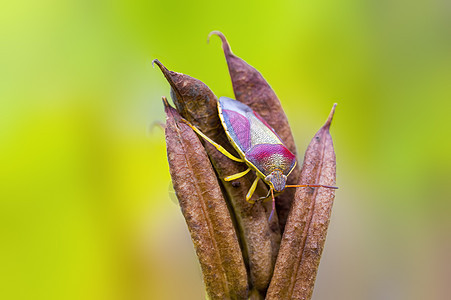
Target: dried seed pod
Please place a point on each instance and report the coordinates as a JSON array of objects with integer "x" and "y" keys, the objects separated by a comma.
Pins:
[
  {"x": 205, "y": 211},
  {"x": 252, "y": 89},
  {"x": 260, "y": 240},
  {"x": 306, "y": 228},
  {"x": 193, "y": 99}
]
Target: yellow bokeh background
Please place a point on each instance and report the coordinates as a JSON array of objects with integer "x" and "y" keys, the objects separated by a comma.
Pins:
[{"x": 86, "y": 208}]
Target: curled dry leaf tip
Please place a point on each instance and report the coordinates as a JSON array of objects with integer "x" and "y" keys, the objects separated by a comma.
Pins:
[
  {"x": 210, "y": 34},
  {"x": 159, "y": 64},
  {"x": 331, "y": 116},
  {"x": 225, "y": 43},
  {"x": 163, "y": 69}
]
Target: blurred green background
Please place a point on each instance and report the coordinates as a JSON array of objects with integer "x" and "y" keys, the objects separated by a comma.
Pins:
[{"x": 86, "y": 208}]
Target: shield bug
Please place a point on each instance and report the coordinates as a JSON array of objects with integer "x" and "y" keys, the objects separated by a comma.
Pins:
[{"x": 258, "y": 145}]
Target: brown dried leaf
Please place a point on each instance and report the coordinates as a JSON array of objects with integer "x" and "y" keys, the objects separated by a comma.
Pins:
[
  {"x": 205, "y": 211},
  {"x": 306, "y": 228},
  {"x": 260, "y": 239},
  {"x": 252, "y": 89}
]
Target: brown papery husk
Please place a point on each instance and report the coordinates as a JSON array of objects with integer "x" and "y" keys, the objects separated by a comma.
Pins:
[
  {"x": 260, "y": 238},
  {"x": 252, "y": 89},
  {"x": 305, "y": 232},
  {"x": 205, "y": 211}
]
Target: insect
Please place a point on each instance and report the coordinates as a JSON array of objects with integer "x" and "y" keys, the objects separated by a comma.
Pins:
[{"x": 258, "y": 146}]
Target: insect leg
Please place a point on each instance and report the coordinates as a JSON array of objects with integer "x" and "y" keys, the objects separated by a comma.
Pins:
[
  {"x": 252, "y": 190},
  {"x": 273, "y": 204},
  {"x": 237, "y": 175},
  {"x": 266, "y": 197},
  {"x": 216, "y": 145}
]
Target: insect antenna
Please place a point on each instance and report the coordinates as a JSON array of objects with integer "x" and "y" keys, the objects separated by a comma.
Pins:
[{"x": 313, "y": 185}]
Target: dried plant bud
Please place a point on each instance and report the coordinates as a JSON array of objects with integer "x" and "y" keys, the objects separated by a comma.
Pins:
[
  {"x": 205, "y": 211},
  {"x": 259, "y": 238},
  {"x": 252, "y": 89},
  {"x": 306, "y": 228}
]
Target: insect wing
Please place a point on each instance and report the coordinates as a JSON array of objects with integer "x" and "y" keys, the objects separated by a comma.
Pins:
[
  {"x": 246, "y": 127},
  {"x": 254, "y": 138},
  {"x": 236, "y": 123}
]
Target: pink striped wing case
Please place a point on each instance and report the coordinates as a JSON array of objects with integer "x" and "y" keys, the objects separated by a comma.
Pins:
[{"x": 256, "y": 142}]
